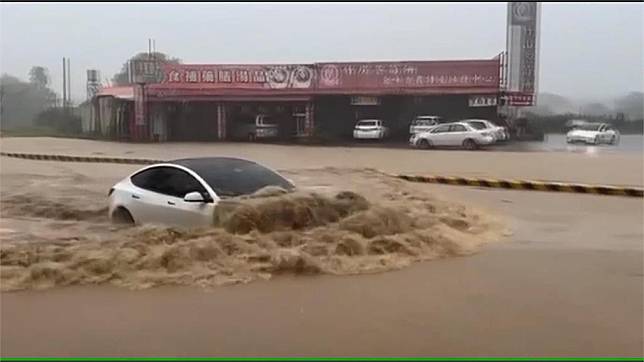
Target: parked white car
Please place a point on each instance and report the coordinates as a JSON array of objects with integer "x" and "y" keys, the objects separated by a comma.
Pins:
[
  {"x": 185, "y": 192},
  {"x": 424, "y": 123},
  {"x": 500, "y": 133},
  {"x": 456, "y": 134},
  {"x": 594, "y": 133},
  {"x": 370, "y": 129},
  {"x": 255, "y": 128}
]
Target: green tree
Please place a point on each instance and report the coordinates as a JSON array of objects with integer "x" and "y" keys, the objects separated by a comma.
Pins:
[
  {"x": 122, "y": 77},
  {"x": 39, "y": 76},
  {"x": 22, "y": 101}
]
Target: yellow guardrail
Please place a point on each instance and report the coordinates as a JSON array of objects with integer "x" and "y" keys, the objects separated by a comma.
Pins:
[
  {"x": 527, "y": 185},
  {"x": 63, "y": 158}
]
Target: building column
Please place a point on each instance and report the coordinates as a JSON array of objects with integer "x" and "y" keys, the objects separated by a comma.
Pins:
[
  {"x": 309, "y": 121},
  {"x": 139, "y": 131},
  {"x": 221, "y": 121}
]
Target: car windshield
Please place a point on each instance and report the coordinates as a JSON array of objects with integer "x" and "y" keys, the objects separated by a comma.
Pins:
[
  {"x": 230, "y": 177},
  {"x": 590, "y": 127},
  {"x": 367, "y": 123},
  {"x": 477, "y": 125}
]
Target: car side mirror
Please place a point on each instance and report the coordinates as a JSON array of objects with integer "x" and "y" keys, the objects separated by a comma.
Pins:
[{"x": 194, "y": 197}]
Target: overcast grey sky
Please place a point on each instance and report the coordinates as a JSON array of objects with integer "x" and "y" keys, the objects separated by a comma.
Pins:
[{"x": 587, "y": 50}]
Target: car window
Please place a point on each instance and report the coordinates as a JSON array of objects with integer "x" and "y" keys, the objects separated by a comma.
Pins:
[
  {"x": 234, "y": 177},
  {"x": 168, "y": 181},
  {"x": 457, "y": 128},
  {"x": 367, "y": 123},
  {"x": 590, "y": 127},
  {"x": 477, "y": 125},
  {"x": 441, "y": 129}
]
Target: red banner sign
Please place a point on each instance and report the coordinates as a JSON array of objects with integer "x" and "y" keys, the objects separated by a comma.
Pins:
[
  {"x": 295, "y": 76},
  {"x": 520, "y": 99},
  {"x": 388, "y": 75},
  {"x": 339, "y": 76}
]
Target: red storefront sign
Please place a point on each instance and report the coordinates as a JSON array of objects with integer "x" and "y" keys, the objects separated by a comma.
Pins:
[
  {"x": 410, "y": 75},
  {"x": 349, "y": 77},
  {"x": 519, "y": 99},
  {"x": 294, "y": 76}
]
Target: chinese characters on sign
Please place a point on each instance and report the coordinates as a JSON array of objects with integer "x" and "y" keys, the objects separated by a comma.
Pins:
[
  {"x": 145, "y": 71},
  {"x": 518, "y": 99},
  {"x": 365, "y": 101},
  {"x": 340, "y": 76},
  {"x": 523, "y": 47},
  {"x": 251, "y": 76},
  {"x": 483, "y": 101},
  {"x": 409, "y": 75}
]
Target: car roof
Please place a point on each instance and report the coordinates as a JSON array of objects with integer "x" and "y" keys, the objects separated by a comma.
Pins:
[
  {"x": 369, "y": 120},
  {"x": 428, "y": 117},
  {"x": 475, "y": 120},
  {"x": 198, "y": 162},
  {"x": 462, "y": 123}
]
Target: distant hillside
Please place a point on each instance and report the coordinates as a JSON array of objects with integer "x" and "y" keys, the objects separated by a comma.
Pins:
[
  {"x": 549, "y": 104},
  {"x": 631, "y": 105}
]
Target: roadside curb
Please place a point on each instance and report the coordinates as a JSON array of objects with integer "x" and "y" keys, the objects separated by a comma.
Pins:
[{"x": 526, "y": 185}]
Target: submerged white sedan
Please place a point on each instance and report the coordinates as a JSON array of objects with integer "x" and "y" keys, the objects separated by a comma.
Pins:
[
  {"x": 593, "y": 133},
  {"x": 185, "y": 192}
]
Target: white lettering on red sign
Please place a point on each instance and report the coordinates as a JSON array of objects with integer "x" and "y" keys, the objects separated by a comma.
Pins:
[
  {"x": 242, "y": 76},
  {"x": 259, "y": 76},
  {"x": 208, "y": 76},
  {"x": 192, "y": 76},
  {"x": 225, "y": 76},
  {"x": 174, "y": 76}
]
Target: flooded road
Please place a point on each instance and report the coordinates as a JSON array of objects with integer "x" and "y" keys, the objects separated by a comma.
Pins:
[
  {"x": 629, "y": 144},
  {"x": 565, "y": 278}
]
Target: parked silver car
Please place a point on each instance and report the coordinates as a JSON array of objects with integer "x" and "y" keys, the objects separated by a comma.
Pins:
[
  {"x": 255, "y": 128},
  {"x": 456, "y": 134},
  {"x": 500, "y": 133}
]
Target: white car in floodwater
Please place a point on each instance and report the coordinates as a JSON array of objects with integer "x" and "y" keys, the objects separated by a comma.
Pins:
[
  {"x": 456, "y": 134},
  {"x": 185, "y": 192},
  {"x": 593, "y": 133}
]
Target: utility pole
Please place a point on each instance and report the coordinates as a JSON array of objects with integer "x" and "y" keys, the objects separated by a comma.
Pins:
[
  {"x": 64, "y": 83},
  {"x": 69, "y": 82}
]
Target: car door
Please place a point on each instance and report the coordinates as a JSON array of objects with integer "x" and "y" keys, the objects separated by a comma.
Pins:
[
  {"x": 147, "y": 204},
  {"x": 439, "y": 135},
  {"x": 159, "y": 195},
  {"x": 605, "y": 133},
  {"x": 456, "y": 135},
  {"x": 175, "y": 185}
]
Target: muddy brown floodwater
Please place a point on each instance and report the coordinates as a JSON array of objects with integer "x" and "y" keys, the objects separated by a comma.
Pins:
[{"x": 354, "y": 263}]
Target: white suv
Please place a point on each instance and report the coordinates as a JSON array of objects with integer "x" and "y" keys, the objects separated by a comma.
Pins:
[
  {"x": 457, "y": 134},
  {"x": 370, "y": 129}
]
